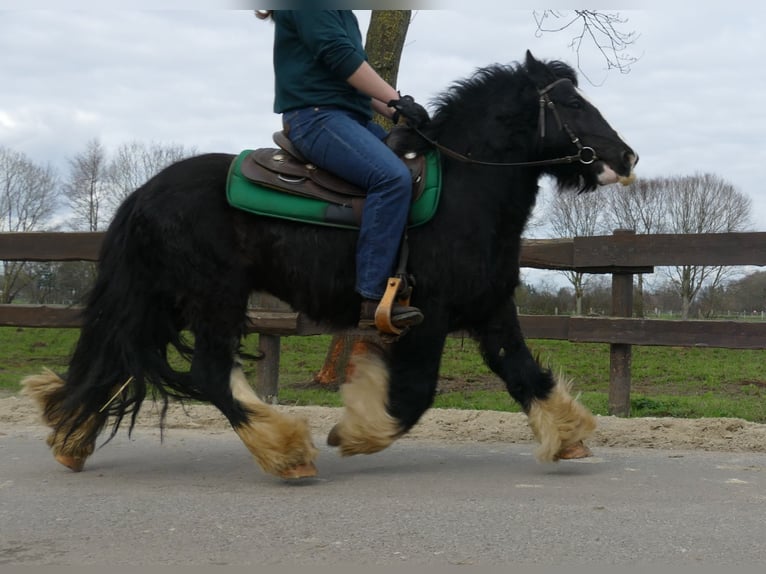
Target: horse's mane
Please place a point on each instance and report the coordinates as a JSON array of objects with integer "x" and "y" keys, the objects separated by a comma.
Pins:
[
  {"x": 488, "y": 81},
  {"x": 458, "y": 107}
]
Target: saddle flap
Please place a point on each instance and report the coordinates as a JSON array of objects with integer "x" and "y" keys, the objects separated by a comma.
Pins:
[
  {"x": 283, "y": 163},
  {"x": 276, "y": 169}
]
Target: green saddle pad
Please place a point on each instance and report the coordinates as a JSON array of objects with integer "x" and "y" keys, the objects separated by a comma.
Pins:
[{"x": 254, "y": 198}]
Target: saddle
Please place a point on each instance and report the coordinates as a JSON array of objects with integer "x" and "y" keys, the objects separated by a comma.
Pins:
[
  {"x": 284, "y": 169},
  {"x": 281, "y": 183}
]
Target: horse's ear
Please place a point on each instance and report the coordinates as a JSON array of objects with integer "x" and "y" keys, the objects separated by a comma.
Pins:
[
  {"x": 537, "y": 70},
  {"x": 533, "y": 64}
]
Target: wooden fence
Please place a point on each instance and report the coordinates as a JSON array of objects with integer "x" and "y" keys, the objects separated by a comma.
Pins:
[{"x": 622, "y": 255}]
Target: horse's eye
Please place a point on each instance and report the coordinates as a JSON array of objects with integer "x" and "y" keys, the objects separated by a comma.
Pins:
[{"x": 575, "y": 103}]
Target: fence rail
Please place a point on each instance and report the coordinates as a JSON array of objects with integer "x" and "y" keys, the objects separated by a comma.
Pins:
[
  {"x": 606, "y": 252},
  {"x": 622, "y": 255}
]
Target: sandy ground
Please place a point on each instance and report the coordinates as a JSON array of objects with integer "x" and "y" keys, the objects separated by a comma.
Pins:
[{"x": 449, "y": 425}]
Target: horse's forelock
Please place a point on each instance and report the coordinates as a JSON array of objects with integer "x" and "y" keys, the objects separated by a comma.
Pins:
[{"x": 563, "y": 70}]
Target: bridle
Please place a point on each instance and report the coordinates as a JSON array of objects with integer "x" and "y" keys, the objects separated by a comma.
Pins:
[
  {"x": 586, "y": 155},
  {"x": 546, "y": 102}
]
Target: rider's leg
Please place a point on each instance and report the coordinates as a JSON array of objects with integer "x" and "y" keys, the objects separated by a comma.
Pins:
[{"x": 352, "y": 148}]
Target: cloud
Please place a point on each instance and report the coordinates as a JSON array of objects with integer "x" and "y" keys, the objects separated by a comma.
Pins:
[{"x": 202, "y": 77}]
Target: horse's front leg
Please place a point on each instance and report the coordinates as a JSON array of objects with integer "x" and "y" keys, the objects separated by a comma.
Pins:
[
  {"x": 559, "y": 422},
  {"x": 388, "y": 390}
]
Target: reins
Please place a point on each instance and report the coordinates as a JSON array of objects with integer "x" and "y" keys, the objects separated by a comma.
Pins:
[{"x": 545, "y": 102}]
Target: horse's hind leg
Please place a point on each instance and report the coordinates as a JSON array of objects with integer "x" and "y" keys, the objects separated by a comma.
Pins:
[
  {"x": 559, "y": 422},
  {"x": 73, "y": 437},
  {"x": 280, "y": 443}
]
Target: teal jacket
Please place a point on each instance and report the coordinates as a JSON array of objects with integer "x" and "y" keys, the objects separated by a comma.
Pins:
[{"x": 315, "y": 51}]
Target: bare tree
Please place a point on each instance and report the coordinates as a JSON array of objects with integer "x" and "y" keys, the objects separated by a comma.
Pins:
[
  {"x": 640, "y": 207},
  {"x": 602, "y": 30},
  {"x": 572, "y": 215},
  {"x": 28, "y": 199},
  {"x": 40, "y": 286},
  {"x": 134, "y": 163},
  {"x": 86, "y": 190},
  {"x": 748, "y": 294},
  {"x": 702, "y": 203},
  {"x": 87, "y": 186}
]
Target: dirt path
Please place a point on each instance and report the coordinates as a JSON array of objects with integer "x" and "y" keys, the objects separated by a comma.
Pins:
[{"x": 450, "y": 425}]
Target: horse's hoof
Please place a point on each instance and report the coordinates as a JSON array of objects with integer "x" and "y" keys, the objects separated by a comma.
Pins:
[
  {"x": 573, "y": 451},
  {"x": 74, "y": 463},
  {"x": 333, "y": 438},
  {"x": 301, "y": 471}
]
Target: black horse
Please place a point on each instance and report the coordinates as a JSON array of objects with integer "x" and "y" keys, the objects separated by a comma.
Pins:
[{"x": 177, "y": 257}]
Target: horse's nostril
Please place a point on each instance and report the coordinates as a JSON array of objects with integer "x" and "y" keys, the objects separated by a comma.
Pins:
[{"x": 630, "y": 158}]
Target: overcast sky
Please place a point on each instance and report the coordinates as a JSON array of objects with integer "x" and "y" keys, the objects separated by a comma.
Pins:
[{"x": 693, "y": 103}]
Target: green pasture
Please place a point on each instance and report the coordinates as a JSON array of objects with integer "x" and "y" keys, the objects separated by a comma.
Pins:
[{"x": 666, "y": 381}]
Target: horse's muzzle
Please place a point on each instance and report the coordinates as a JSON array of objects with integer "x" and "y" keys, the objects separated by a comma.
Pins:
[{"x": 622, "y": 174}]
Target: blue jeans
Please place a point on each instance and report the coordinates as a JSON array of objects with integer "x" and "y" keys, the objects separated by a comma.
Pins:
[{"x": 351, "y": 147}]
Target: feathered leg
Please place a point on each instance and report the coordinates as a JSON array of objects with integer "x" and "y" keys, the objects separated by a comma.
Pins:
[
  {"x": 559, "y": 422},
  {"x": 71, "y": 443},
  {"x": 388, "y": 391}
]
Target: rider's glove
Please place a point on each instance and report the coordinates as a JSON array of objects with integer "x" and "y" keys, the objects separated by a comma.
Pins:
[{"x": 414, "y": 114}]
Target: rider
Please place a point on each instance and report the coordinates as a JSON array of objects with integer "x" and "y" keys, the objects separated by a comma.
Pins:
[{"x": 326, "y": 92}]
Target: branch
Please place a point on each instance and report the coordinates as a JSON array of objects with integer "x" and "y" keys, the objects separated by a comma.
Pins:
[{"x": 601, "y": 29}]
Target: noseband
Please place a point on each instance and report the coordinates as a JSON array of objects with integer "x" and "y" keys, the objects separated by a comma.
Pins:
[{"x": 585, "y": 155}]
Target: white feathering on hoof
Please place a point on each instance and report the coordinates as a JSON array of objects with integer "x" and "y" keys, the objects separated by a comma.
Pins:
[
  {"x": 280, "y": 443},
  {"x": 70, "y": 447},
  {"x": 559, "y": 421},
  {"x": 38, "y": 387},
  {"x": 366, "y": 427}
]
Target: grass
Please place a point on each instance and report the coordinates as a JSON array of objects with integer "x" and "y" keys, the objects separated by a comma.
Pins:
[{"x": 666, "y": 381}]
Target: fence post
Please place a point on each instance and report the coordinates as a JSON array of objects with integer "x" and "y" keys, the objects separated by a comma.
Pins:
[
  {"x": 267, "y": 369},
  {"x": 620, "y": 354}
]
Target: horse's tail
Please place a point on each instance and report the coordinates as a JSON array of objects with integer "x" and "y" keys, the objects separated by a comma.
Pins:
[{"x": 128, "y": 321}]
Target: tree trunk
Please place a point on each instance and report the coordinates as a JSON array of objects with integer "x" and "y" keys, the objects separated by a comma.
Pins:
[
  {"x": 579, "y": 290},
  {"x": 685, "y": 306},
  {"x": 638, "y": 299},
  {"x": 385, "y": 41},
  {"x": 686, "y": 292},
  {"x": 384, "y": 45}
]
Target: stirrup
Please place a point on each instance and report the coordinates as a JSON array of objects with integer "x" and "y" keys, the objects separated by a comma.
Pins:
[{"x": 393, "y": 294}]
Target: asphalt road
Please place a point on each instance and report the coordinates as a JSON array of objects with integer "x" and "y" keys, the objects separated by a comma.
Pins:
[{"x": 199, "y": 499}]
